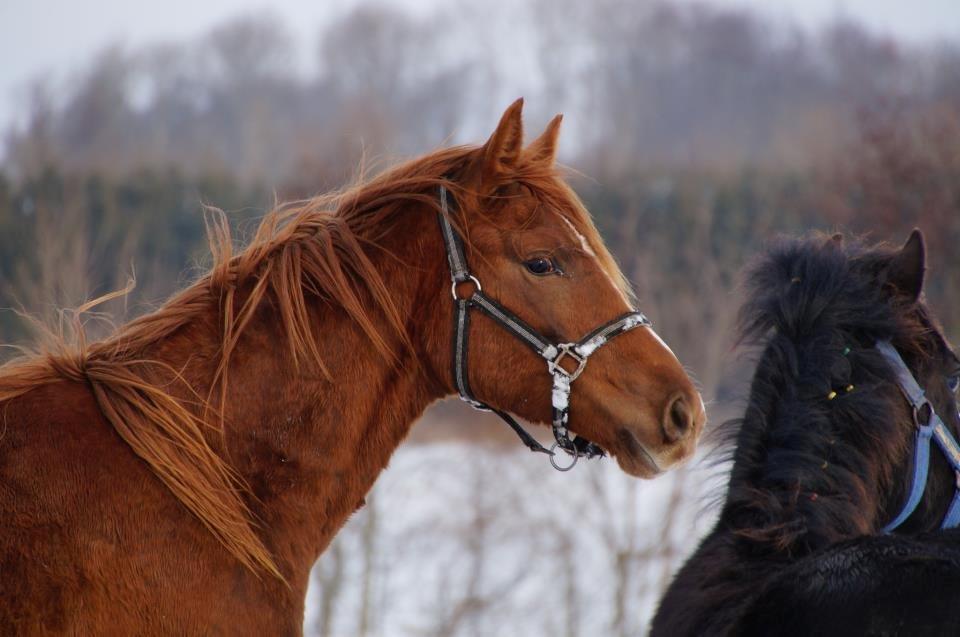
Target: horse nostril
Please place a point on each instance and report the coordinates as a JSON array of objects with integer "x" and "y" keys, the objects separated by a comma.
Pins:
[{"x": 677, "y": 419}]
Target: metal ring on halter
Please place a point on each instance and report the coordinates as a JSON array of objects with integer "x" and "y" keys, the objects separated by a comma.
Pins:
[
  {"x": 470, "y": 277},
  {"x": 553, "y": 455},
  {"x": 568, "y": 350}
]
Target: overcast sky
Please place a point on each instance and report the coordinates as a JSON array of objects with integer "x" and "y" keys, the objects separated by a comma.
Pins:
[{"x": 58, "y": 36}]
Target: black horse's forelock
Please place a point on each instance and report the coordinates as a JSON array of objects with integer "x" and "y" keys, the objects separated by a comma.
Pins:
[{"x": 810, "y": 466}]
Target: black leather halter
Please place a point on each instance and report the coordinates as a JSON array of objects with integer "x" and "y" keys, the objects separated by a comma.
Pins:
[{"x": 553, "y": 353}]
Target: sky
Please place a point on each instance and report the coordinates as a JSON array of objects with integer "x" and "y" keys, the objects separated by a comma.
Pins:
[{"x": 57, "y": 37}]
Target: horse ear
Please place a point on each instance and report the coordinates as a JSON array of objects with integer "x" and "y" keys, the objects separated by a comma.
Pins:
[
  {"x": 543, "y": 150},
  {"x": 907, "y": 267},
  {"x": 502, "y": 151}
]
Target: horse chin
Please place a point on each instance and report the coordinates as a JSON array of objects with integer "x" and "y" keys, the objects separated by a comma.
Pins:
[{"x": 633, "y": 458}]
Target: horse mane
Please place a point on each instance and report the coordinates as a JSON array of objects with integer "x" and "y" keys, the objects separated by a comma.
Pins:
[
  {"x": 317, "y": 248},
  {"x": 805, "y": 465}
]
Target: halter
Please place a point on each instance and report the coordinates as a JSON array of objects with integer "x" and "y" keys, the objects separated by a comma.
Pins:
[
  {"x": 575, "y": 353},
  {"x": 935, "y": 429}
]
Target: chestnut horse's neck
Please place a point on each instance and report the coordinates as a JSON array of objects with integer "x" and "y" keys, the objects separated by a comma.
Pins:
[{"x": 308, "y": 442}]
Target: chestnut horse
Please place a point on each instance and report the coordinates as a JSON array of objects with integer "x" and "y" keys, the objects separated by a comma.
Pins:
[
  {"x": 817, "y": 535},
  {"x": 182, "y": 476}
]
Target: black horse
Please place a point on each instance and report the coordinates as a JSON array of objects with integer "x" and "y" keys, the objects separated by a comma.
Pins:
[{"x": 823, "y": 459}]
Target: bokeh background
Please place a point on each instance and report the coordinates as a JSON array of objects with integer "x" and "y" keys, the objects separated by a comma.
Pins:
[{"x": 695, "y": 132}]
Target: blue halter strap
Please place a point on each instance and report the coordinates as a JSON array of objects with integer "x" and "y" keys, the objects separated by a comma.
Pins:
[{"x": 933, "y": 429}]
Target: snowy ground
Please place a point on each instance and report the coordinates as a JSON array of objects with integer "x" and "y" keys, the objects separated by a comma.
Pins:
[{"x": 465, "y": 539}]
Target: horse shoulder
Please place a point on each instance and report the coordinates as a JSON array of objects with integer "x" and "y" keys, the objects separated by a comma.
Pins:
[{"x": 91, "y": 541}]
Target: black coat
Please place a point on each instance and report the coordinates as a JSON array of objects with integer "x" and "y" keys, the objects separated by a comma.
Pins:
[{"x": 876, "y": 585}]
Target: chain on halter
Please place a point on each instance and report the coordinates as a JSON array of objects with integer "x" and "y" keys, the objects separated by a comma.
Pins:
[{"x": 576, "y": 353}]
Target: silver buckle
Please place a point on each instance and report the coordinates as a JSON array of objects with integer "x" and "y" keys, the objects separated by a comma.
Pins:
[{"x": 567, "y": 349}]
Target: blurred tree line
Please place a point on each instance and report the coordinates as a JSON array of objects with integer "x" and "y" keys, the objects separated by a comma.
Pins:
[
  {"x": 703, "y": 131},
  {"x": 67, "y": 236}
]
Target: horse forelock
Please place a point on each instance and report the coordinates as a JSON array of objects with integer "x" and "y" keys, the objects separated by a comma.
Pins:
[{"x": 822, "y": 434}]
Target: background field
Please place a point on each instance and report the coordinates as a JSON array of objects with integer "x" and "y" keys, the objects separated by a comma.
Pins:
[{"x": 694, "y": 132}]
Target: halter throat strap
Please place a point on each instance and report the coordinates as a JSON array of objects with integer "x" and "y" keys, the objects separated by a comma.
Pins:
[
  {"x": 933, "y": 429},
  {"x": 557, "y": 356}
]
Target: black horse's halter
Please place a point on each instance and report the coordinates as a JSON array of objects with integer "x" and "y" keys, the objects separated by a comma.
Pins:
[
  {"x": 553, "y": 353},
  {"x": 935, "y": 429}
]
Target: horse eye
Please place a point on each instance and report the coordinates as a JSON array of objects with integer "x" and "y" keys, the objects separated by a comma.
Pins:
[
  {"x": 953, "y": 383},
  {"x": 541, "y": 266}
]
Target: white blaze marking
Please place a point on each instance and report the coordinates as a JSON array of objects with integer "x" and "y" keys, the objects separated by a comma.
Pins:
[
  {"x": 583, "y": 240},
  {"x": 585, "y": 246},
  {"x": 661, "y": 341}
]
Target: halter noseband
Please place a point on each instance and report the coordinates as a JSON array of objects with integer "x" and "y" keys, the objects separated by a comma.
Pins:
[
  {"x": 553, "y": 353},
  {"x": 934, "y": 429}
]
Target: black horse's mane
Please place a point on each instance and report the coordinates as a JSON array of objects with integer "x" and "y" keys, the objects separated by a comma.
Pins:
[
  {"x": 821, "y": 458},
  {"x": 823, "y": 426}
]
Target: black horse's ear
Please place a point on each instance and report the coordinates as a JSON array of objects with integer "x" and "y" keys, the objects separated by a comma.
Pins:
[{"x": 907, "y": 267}]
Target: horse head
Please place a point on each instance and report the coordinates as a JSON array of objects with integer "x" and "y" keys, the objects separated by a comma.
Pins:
[
  {"x": 532, "y": 246},
  {"x": 824, "y": 451}
]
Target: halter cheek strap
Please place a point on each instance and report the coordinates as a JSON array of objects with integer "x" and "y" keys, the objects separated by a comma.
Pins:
[
  {"x": 555, "y": 355},
  {"x": 934, "y": 429}
]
